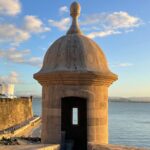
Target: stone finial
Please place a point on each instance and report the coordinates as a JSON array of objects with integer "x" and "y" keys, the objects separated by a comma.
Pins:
[
  {"x": 75, "y": 9},
  {"x": 74, "y": 13}
]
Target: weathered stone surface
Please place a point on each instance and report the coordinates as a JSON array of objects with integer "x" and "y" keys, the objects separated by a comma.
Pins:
[
  {"x": 57, "y": 147},
  {"x": 97, "y": 119},
  {"x": 75, "y": 66},
  {"x": 31, "y": 147},
  {"x": 14, "y": 111}
]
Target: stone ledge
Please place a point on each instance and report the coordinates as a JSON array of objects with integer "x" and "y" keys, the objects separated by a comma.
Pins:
[
  {"x": 31, "y": 147},
  {"x": 75, "y": 78},
  {"x": 57, "y": 147}
]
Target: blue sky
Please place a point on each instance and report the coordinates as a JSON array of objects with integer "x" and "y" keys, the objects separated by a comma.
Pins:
[{"x": 121, "y": 28}]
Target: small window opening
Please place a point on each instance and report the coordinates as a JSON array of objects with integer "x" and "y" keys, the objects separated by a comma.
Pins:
[{"x": 75, "y": 116}]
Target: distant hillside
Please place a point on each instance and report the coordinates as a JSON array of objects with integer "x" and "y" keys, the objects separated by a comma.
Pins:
[
  {"x": 37, "y": 98},
  {"x": 130, "y": 99},
  {"x": 118, "y": 99}
]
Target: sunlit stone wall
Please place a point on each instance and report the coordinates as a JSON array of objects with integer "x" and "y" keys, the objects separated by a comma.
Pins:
[
  {"x": 97, "y": 112},
  {"x": 14, "y": 111}
]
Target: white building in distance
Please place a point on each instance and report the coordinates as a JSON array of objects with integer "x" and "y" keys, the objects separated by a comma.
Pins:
[{"x": 7, "y": 90}]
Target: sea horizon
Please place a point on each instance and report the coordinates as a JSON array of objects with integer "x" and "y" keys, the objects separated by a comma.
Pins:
[
  {"x": 117, "y": 99},
  {"x": 129, "y": 123}
]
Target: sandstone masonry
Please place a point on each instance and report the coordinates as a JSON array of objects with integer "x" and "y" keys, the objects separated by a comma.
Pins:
[{"x": 14, "y": 111}]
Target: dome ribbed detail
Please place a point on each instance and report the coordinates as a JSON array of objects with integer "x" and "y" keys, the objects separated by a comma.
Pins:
[{"x": 75, "y": 53}]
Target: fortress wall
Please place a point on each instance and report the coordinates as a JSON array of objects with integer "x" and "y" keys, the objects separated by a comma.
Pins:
[{"x": 14, "y": 111}]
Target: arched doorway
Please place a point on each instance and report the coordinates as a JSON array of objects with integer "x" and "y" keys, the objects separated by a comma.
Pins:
[{"x": 74, "y": 121}]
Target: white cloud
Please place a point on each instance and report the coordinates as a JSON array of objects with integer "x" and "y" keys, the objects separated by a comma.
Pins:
[
  {"x": 10, "y": 33},
  {"x": 106, "y": 24},
  {"x": 10, "y": 7},
  {"x": 35, "y": 61},
  {"x": 14, "y": 55},
  {"x": 113, "y": 20},
  {"x": 14, "y": 35},
  {"x": 63, "y": 9},
  {"x": 122, "y": 20},
  {"x": 34, "y": 24},
  {"x": 125, "y": 65},
  {"x": 63, "y": 24},
  {"x": 130, "y": 30},
  {"x": 102, "y": 33},
  {"x": 102, "y": 24},
  {"x": 13, "y": 78},
  {"x": 122, "y": 65},
  {"x": 20, "y": 56}
]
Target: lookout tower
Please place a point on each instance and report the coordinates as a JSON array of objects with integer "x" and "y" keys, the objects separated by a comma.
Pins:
[{"x": 75, "y": 78}]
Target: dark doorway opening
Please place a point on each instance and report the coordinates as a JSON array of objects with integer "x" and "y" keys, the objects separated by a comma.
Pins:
[{"x": 74, "y": 121}]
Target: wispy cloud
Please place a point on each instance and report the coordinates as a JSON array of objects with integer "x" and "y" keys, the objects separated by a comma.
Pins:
[
  {"x": 106, "y": 24},
  {"x": 20, "y": 57},
  {"x": 102, "y": 24},
  {"x": 123, "y": 65},
  {"x": 112, "y": 20},
  {"x": 11, "y": 33},
  {"x": 34, "y": 24},
  {"x": 10, "y": 7},
  {"x": 35, "y": 61},
  {"x": 13, "y": 78},
  {"x": 63, "y": 9},
  {"x": 102, "y": 33},
  {"x": 62, "y": 24}
]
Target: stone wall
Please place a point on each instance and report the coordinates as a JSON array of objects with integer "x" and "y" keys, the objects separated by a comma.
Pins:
[
  {"x": 97, "y": 111},
  {"x": 14, "y": 111}
]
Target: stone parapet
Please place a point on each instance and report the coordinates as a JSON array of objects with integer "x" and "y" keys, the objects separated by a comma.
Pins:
[
  {"x": 31, "y": 147},
  {"x": 14, "y": 111}
]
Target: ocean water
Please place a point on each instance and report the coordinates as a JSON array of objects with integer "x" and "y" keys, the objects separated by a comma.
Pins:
[{"x": 129, "y": 123}]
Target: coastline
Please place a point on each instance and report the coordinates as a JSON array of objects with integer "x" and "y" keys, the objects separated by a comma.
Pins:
[{"x": 117, "y": 99}]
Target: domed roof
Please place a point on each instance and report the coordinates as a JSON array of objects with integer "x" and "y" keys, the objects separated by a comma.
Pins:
[{"x": 75, "y": 53}]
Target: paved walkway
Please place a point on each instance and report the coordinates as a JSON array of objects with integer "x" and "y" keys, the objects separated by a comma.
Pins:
[
  {"x": 16, "y": 127},
  {"x": 24, "y": 129},
  {"x": 34, "y": 132},
  {"x": 31, "y": 147}
]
